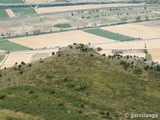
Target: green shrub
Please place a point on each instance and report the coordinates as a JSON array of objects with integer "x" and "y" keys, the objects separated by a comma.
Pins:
[
  {"x": 65, "y": 25},
  {"x": 2, "y": 96},
  {"x": 49, "y": 77},
  {"x": 101, "y": 112},
  {"x": 137, "y": 71},
  {"x": 79, "y": 111}
]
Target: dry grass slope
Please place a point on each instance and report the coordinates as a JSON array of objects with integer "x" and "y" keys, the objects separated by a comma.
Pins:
[{"x": 80, "y": 85}]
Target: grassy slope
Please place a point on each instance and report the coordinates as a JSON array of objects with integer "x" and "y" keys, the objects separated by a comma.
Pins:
[
  {"x": 108, "y": 34},
  {"x": 79, "y": 86},
  {"x": 10, "y": 46},
  {"x": 3, "y": 13},
  {"x": 11, "y": 1},
  {"x": 23, "y": 11}
]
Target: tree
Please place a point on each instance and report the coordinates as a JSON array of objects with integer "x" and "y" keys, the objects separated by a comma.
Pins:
[
  {"x": 53, "y": 53},
  {"x": 138, "y": 18}
]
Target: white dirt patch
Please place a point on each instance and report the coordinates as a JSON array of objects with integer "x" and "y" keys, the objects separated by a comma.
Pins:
[
  {"x": 136, "y": 31},
  {"x": 77, "y": 7},
  {"x": 59, "y": 39},
  {"x": 10, "y": 13},
  {"x": 155, "y": 53},
  {"x": 37, "y": 1}
]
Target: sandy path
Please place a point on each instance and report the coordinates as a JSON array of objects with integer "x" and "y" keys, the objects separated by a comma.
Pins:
[
  {"x": 59, "y": 39},
  {"x": 135, "y": 31},
  {"x": 10, "y": 13},
  {"x": 155, "y": 54},
  {"x": 36, "y": 1},
  {"x": 79, "y": 7}
]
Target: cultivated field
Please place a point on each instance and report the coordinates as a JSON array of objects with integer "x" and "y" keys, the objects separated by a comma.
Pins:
[
  {"x": 26, "y": 57},
  {"x": 108, "y": 34},
  {"x": 23, "y": 11},
  {"x": 36, "y": 1},
  {"x": 78, "y": 7},
  {"x": 59, "y": 39},
  {"x": 10, "y": 46},
  {"x": 11, "y": 1},
  {"x": 155, "y": 53},
  {"x": 10, "y": 12},
  {"x": 3, "y": 13},
  {"x": 136, "y": 31}
]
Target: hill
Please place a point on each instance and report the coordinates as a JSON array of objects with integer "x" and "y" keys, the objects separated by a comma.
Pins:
[{"x": 78, "y": 83}]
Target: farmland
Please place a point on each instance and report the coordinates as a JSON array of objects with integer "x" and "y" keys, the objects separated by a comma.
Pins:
[
  {"x": 59, "y": 39},
  {"x": 36, "y": 1},
  {"x": 79, "y": 7},
  {"x": 10, "y": 46},
  {"x": 3, "y": 13},
  {"x": 23, "y": 11},
  {"x": 1, "y": 57},
  {"x": 108, "y": 34},
  {"x": 10, "y": 13},
  {"x": 136, "y": 31},
  {"x": 11, "y": 1}
]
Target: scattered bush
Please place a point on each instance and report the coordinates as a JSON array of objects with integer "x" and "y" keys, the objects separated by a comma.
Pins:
[
  {"x": 49, "y": 77},
  {"x": 137, "y": 71},
  {"x": 60, "y": 104},
  {"x": 53, "y": 53},
  {"x": 2, "y": 96},
  {"x": 21, "y": 72},
  {"x": 29, "y": 65},
  {"x": 65, "y": 25}
]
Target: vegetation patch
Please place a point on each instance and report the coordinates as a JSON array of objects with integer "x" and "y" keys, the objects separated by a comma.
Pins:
[
  {"x": 11, "y": 1},
  {"x": 23, "y": 11},
  {"x": 65, "y": 25},
  {"x": 138, "y": 71},
  {"x": 148, "y": 57},
  {"x": 82, "y": 88},
  {"x": 1, "y": 57},
  {"x": 3, "y": 13},
  {"x": 108, "y": 34},
  {"x": 10, "y": 46}
]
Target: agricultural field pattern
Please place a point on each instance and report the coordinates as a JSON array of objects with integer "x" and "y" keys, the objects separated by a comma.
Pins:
[{"x": 37, "y": 35}]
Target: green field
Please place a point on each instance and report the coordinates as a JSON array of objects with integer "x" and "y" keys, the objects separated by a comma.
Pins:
[
  {"x": 1, "y": 57},
  {"x": 23, "y": 11},
  {"x": 108, "y": 34},
  {"x": 10, "y": 46},
  {"x": 11, "y": 1},
  {"x": 3, "y": 13}
]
